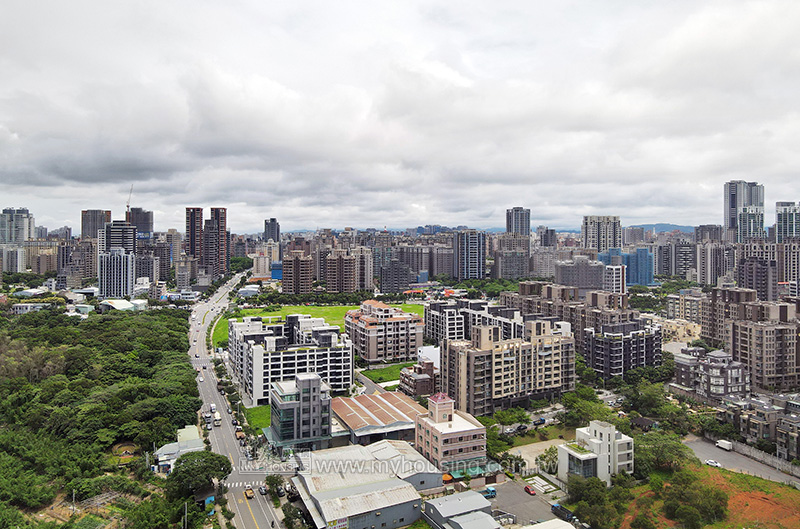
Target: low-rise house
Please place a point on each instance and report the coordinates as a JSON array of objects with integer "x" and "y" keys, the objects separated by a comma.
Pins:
[
  {"x": 463, "y": 510},
  {"x": 421, "y": 379},
  {"x": 189, "y": 440},
  {"x": 599, "y": 451}
]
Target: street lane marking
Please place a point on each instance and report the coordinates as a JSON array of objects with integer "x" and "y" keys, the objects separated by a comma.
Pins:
[{"x": 251, "y": 513}]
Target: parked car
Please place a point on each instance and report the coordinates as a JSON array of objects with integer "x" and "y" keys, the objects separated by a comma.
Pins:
[
  {"x": 530, "y": 490},
  {"x": 209, "y": 426},
  {"x": 540, "y": 421},
  {"x": 522, "y": 428},
  {"x": 234, "y": 422},
  {"x": 281, "y": 491},
  {"x": 711, "y": 462},
  {"x": 509, "y": 430},
  {"x": 202, "y": 379},
  {"x": 229, "y": 410}
]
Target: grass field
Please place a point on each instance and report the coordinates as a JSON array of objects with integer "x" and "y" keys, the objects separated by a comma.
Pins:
[
  {"x": 333, "y": 314},
  {"x": 753, "y": 502},
  {"x": 258, "y": 416},
  {"x": 551, "y": 432},
  {"x": 385, "y": 374}
]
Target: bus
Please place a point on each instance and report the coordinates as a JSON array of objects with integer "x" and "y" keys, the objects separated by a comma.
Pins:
[{"x": 217, "y": 419}]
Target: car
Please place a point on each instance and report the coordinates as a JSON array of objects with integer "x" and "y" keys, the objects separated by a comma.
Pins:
[
  {"x": 195, "y": 340},
  {"x": 509, "y": 430},
  {"x": 209, "y": 426},
  {"x": 196, "y": 355},
  {"x": 222, "y": 392},
  {"x": 522, "y": 428},
  {"x": 207, "y": 415},
  {"x": 234, "y": 422},
  {"x": 248, "y": 492},
  {"x": 202, "y": 379},
  {"x": 241, "y": 442},
  {"x": 530, "y": 490},
  {"x": 262, "y": 490},
  {"x": 281, "y": 491},
  {"x": 712, "y": 463},
  {"x": 229, "y": 410},
  {"x": 204, "y": 367},
  {"x": 249, "y": 456}
]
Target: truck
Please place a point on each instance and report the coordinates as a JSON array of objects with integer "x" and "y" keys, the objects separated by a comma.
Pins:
[
  {"x": 489, "y": 492},
  {"x": 539, "y": 421},
  {"x": 217, "y": 419},
  {"x": 725, "y": 445},
  {"x": 240, "y": 433},
  {"x": 562, "y": 512}
]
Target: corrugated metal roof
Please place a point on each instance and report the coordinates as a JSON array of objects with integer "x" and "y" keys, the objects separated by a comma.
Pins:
[
  {"x": 381, "y": 410},
  {"x": 364, "y": 498},
  {"x": 459, "y": 503}
]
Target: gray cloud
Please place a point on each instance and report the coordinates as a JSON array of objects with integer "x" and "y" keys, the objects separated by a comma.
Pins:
[{"x": 370, "y": 115}]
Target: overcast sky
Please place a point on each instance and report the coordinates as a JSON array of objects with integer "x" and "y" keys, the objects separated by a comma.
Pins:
[{"x": 334, "y": 114}]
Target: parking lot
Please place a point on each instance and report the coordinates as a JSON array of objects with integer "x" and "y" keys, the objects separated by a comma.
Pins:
[{"x": 512, "y": 498}]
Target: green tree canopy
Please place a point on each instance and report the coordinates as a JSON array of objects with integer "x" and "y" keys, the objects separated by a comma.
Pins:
[{"x": 196, "y": 471}]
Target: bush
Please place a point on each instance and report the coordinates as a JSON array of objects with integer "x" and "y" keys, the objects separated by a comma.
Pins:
[{"x": 642, "y": 522}]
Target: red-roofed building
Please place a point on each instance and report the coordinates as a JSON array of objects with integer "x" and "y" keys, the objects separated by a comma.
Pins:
[
  {"x": 381, "y": 333},
  {"x": 372, "y": 418}
]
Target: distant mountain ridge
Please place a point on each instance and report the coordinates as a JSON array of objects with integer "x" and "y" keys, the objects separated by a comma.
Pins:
[{"x": 662, "y": 226}]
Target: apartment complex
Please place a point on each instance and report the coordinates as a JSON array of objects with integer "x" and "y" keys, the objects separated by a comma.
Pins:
[
  {"x": 298, "y": 273},
  {"x": 93, "y": 220},
  {"x": 612, "y": 350},
  {"x": 546, "y": 300},
  {"x": 488, "y": 372},
  {"x": 452, "y": 440},
  {"x": 711, "y": 375},
  {"x": 301, "y": 412},
  {"x": 601, "y": 232},
  {"x": 720, "y": 305},
  {"x": 382, "y": 333},
  {"x": 469, "y": 255},
  {"x": 599, "y": 451},
  {"x": 267, "y": 350},
  {"x": 421, "y": 379},
  {"x": 685, "y": 305},
  {"x": 580, "y": 272},
  {"x": 518, "y": 220}
]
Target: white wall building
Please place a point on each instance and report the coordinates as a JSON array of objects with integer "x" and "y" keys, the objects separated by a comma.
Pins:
[
  {"x": 267, "y": 350},
  {"x": 116, "y": 272},
  {"x": 599, "y": 450}
]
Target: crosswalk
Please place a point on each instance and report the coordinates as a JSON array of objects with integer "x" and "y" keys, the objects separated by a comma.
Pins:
[{"x": 243, "y": 484}]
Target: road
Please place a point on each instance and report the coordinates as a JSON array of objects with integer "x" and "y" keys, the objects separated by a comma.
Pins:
[
  {"x": 705, "y": 449},
  {"x": 257, "y": 513},
  {"x": 370, "y": 387}
]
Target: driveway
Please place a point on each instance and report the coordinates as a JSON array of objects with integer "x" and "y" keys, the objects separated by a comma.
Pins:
[{"x": 705, "y": 449}]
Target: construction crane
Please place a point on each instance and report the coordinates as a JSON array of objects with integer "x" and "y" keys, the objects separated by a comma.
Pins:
[{"x": 128, "y": 205}]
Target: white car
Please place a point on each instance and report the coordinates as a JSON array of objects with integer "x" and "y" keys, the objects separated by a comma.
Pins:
[
  {"x": 712, "y": 463},
  {"x": 202, "y": 379}
]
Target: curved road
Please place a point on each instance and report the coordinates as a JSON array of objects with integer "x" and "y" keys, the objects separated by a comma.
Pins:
[{"x": 257, "y": 513}]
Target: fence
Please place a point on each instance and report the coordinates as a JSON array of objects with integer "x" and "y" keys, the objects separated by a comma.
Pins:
[{"x": 762, "y": 457}]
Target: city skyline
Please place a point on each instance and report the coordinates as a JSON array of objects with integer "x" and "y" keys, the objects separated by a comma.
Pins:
[{"x": 332, "y": 116}]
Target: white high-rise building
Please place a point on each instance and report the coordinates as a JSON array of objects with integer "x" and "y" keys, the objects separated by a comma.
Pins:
[
  {"x": 518, "y": 220},
  {"x": 469, "y": 255},
  {"x": 787, "y": 221},
  {"x": 16, "y": 226},
  {"x": 116, "y": 272},
  {"x": 614, "y": 279},
  {"x": 751, "y": 224},
  {"x": 739, "y": 194},
  {"x": 601, "y": 232}
]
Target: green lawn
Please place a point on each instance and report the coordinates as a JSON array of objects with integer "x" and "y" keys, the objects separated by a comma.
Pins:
[
  {"x": 333, "y": 314},
  {"x": 551, "y": 432},
  {"x": 258, "y": 416},
  {"x": 386, "y": 374}
]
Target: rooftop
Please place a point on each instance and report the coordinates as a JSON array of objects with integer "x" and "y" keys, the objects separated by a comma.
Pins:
[
  {"x": 364, "y": 498},
  {"x": 368, "y": 413},
  {"x": 459, "y": 503},
  {"x": 458, "y": 423}
]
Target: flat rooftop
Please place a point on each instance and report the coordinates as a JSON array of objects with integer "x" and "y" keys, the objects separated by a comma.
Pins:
[{"x": 458, "y": 424}]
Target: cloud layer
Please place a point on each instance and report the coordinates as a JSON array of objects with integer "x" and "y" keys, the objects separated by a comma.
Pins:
[{"x": 397, "y": 114}]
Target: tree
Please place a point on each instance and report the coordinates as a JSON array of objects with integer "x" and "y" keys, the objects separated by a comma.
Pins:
[
  {"x": 659, "y": 451},
  {"x": 195, "y": 471},
  {"x": 689, "y": 516},
  {"x": 642, "y": 521},
  {"x": 548, "y": 460}
]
